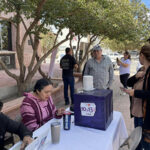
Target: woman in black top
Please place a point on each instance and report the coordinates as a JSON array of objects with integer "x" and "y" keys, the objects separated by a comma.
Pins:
[{"x": 144, "y": 94}]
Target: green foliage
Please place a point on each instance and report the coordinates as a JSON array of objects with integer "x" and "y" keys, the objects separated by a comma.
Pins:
[
  {"x": 47, "y": 41},
  {"x": 139, "y": 31}
]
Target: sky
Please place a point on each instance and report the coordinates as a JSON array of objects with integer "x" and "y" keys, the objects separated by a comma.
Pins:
[{"x": 146, "y": 2}]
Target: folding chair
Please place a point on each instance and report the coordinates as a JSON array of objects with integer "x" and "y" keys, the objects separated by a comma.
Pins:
[{"x": 133, "y": 140}]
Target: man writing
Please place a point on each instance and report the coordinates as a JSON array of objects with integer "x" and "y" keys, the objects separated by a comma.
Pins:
[
  {"x": 68, "y": 63},
  {"x": 101, "y": 68}
]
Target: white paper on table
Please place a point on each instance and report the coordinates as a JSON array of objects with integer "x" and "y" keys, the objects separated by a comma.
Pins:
[{"x": 38, "y": 144}]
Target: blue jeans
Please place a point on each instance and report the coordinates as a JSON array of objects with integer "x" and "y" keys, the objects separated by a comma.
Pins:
[
  {"x": 138, "y": 121},
  {"x": 68, "y": 81}
]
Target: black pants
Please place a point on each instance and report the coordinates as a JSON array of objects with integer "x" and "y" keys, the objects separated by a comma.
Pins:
[{"x": 123, "y": 79}]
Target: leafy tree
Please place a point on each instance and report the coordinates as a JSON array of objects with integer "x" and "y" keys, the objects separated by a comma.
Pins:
[
  {"x": 60, "y": 13},
  {"x": 140, "y": 34},
  {"x": 41, "y": 13},
  {"x": 47, "y": 41},
  {"x": 112, "y": 19}
]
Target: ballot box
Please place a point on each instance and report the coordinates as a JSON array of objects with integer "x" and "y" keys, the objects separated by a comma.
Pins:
[{"x": 94, "y": 108}]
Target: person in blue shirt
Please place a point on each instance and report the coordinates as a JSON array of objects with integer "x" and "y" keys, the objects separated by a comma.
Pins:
[{"x": 124, "y": 68}]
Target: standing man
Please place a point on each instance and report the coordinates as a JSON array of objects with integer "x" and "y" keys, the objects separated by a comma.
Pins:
[
  {"x": 68, "y": 63},
  {"x": 101, "y": 68}
]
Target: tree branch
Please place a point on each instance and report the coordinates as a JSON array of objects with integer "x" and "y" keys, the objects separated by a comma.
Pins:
[
  {"x": 78, "y": 43},
  {"x": 36, "y": 67},
  {"x": 56, "y": 37},
  {"x": 35, "y": 21},
  {"x": 7, "y": 71}
]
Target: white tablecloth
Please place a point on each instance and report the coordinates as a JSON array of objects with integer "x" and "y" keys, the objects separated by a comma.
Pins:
[{"x": 83, "y": 138}]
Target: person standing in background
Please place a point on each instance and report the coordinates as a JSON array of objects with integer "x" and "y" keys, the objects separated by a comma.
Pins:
[
  {"x": 68, "y": 63},
  {"x": 101, "y": 68},
  {"x": 124, "y": 68}
]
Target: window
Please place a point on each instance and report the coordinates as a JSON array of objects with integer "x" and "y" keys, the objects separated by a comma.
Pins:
[{"x": 5, "y": 35}]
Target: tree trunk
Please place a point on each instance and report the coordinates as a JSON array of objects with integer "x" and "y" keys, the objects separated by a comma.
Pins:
[
  {"x": 79, "y": 68},
  {"x": 22, "y": 87}
]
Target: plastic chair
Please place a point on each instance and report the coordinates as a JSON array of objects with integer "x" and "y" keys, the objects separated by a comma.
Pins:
[{"x": 133, "y": 140}]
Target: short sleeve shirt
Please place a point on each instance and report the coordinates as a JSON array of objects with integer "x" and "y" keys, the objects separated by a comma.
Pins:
[
  {"x": 67, "y": 64},
  {"x": 125, "y": 70}
]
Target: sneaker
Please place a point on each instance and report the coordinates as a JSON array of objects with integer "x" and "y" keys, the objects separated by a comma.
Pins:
[{"x": 72, "y": 107}]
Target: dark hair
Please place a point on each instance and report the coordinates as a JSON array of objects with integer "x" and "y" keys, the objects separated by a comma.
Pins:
[
  {"x": 67, "y": 50},
  {"x": 127, "y": 53},
  {"x": 41, "y": 83},
  {"x": 1, "y": 105},
  {"x": 145, "y": 50}
]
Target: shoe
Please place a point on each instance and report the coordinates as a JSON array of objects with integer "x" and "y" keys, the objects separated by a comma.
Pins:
[
  {"x": 72, "y": 107},
  {"x": 66, "y": 103}
]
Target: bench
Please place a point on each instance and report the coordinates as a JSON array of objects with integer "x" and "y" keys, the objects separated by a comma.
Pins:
[{"x": 12, "y": 105}]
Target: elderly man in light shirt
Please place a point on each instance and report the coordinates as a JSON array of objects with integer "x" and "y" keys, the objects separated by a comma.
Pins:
[{"x": 101, "y": 68}]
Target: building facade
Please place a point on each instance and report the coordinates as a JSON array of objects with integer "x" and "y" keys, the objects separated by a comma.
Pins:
[{"x": 8, "y": 42}]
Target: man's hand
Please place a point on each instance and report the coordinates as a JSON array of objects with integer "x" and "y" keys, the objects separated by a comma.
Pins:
[
  {"x": 26, "y": 140},
  {"x": 129, "y": 91}
]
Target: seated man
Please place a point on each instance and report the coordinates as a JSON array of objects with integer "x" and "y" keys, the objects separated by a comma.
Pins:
[{"x": 8, "y": 125}]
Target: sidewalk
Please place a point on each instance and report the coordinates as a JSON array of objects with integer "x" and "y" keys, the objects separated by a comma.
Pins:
[{"x": 122, "y": 103}]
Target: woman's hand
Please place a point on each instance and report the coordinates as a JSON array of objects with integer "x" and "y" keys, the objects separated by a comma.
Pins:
[
  {"x": 60, "y": 111},
  {"x": 26, "y": 140},
  {"x": 129, "y": 91},
  {"x": 140, "y": 74}
]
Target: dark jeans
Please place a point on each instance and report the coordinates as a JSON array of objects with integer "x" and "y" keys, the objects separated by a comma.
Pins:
[
  {"x": 123, "y": 79},
  {"x": 145, "y": 145},
  {"x": 68, "y": 81},
  {"x": 138, "y": 121}
]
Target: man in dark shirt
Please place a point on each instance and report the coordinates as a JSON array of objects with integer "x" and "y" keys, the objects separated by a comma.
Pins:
[
  {"x": 68, "y": 63},
  {"x": 8, "y": 125}
]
